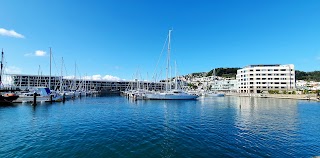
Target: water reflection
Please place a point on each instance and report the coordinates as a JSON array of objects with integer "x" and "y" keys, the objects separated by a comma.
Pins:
[
  {"x": 118, "y": 127},
  {"x": 266, "y": 123}
]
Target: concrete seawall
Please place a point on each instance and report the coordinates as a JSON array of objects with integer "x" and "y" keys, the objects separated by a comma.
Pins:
[{"x": 280, "y": 96}]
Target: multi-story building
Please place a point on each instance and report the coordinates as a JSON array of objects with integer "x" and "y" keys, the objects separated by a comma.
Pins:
[
  {"x": 259, "y": 78},
  {"x": 23, "y": 82}
]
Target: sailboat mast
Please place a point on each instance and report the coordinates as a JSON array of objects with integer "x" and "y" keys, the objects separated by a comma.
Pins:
[
  {"x": 50, "y": 71},
  {"x": 1, "y": 67},
  {"x": 75, "y": 75},
  {"x": 176, "y": 83},
  {"x": 61, "y": 75},
  {"x": 168, "y": 60}
]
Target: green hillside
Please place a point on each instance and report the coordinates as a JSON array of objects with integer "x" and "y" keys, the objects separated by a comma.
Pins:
[
  {"x": 308, "y": 76},
  {"x": 224, "y": 72}
]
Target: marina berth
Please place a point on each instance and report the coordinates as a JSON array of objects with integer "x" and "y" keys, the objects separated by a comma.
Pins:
[
  {"x": 88, "y": 87},
  {"x": 171, "y": 95},
  {"x": 5, "y": 96},
  {"x": 214, "y": 94},
  {"x": 8, "y": 98},
  {"x": 43, "y": 94},
  {"x": 168, "y": 94}
]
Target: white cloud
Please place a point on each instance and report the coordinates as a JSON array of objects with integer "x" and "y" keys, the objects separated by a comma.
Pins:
[
  {"x": 111, "y": 78},
  {"x": 12, "y": 70},
  {"x": 28, "y": 54},
  {"x": 10, "y": 33},
  {"x": 39, "y": 53}
]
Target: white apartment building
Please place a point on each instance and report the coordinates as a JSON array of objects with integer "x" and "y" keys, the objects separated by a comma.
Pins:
[{"x": 259, "y": 78}]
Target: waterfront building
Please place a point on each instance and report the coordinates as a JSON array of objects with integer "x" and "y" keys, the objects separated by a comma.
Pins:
[
  {"x": 224, "y": 85},
  {"x": 23, "y": 82},
  {"x": 260, "y": 78}
]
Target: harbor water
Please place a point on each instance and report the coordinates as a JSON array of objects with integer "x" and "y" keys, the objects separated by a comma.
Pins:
[{"x": 115, "y": 126}]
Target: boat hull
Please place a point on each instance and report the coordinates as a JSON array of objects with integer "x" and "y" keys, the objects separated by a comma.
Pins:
[
  {"x": 164, "y": 96},
  {"x": 8, "y": 99},
  {"x": 215, "y": 95}
]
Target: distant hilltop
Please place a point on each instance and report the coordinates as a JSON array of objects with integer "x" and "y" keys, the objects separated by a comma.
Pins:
[
  {"x": 222, "y": 72},
  {"x": 232, "y": 72}
]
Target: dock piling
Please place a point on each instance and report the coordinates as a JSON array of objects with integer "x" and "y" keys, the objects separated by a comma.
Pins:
[
  {"x": 63, "y": 97},
  {"x": 34, "y": 99},
  {"x": 51, "y": 98}
]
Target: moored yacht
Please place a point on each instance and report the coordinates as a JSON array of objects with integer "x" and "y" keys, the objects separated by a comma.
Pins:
[
  {"x": 171, "y": 95},
  {"x": 214, "y": 94},
  {"x": 8, "y": 98},
  {"x": 43, "y": 95},
  {"x": 175, "y": 94}
]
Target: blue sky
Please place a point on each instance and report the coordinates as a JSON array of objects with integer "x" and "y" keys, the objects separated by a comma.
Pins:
[{"x": 123, "y": 38}]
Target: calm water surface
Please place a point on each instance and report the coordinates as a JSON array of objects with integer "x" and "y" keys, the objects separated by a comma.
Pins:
[{"x": 117, "y": 127}]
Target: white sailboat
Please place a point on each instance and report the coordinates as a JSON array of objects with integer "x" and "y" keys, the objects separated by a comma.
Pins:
[
  {"x": 43, "y": 95},
  {"x": 214, "y": 93},
  {"x": 175, "y": 94}
]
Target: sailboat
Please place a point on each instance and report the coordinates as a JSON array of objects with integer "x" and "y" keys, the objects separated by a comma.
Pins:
[
  {"x": 168, "y": 94},
  {"x": 44, "y": 94},
  {"x": 7, "y": 97},
  {"x": 214, "y": 93}
]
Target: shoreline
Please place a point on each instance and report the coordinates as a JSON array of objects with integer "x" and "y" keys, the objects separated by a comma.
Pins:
[{"x": 312, "y": 97}]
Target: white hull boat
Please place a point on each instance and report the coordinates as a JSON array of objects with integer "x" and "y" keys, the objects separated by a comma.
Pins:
[
  {"x": 171, "y": 95},
  {"x": 43, "y": 95}
]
